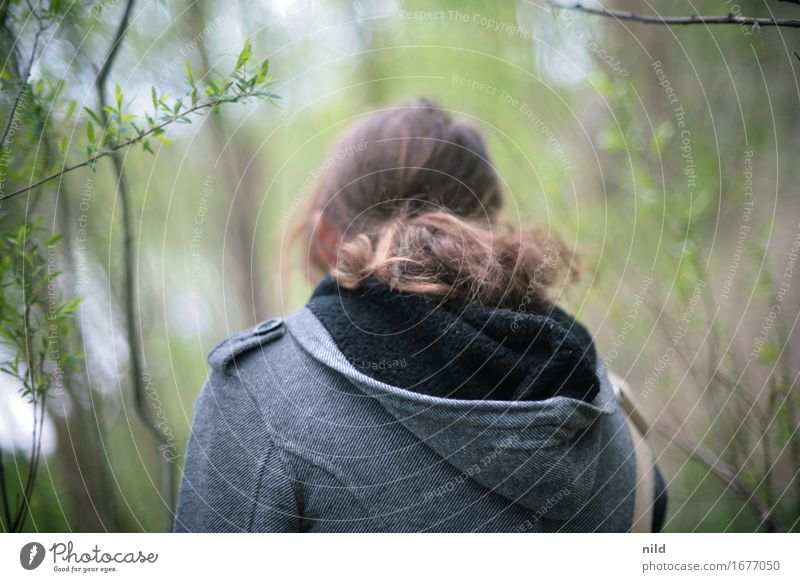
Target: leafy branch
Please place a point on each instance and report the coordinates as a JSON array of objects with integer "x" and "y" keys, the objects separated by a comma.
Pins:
[
  {"x": 121, "y": 131},
  {"x": 42, "y": 25},
  {"x": 34, "y": 321},
  {"x": 109, "y": 129}
]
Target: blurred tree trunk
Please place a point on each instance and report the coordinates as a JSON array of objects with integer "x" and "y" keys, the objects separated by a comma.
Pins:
[
  {"x": 369, "y": 59},
  {"x": 242, "y": 184},
  {"x": 79, "y": 432}
]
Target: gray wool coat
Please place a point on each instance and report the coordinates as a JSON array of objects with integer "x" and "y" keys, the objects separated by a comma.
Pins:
[{"x": 289, "y": 436}]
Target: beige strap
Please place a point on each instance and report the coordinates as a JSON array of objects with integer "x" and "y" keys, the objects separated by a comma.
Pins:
[{"x": 644, "y": 494}]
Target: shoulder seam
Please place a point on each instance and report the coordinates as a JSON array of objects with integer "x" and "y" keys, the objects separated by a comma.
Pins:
[
  {"x": 293, "y": 478},
  {"x": 263, "y": 462}
]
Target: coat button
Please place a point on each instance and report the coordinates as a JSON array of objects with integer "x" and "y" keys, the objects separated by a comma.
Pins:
[{"x": 267, "y": 326}]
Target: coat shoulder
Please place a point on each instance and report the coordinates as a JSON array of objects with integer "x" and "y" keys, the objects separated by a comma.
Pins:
[{"x": 224, "y": 357}]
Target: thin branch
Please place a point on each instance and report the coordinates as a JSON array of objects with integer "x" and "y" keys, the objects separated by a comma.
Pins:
[
  {"x": 36, "y": 454},
  {"x": 4, "y": 13},
  {"x": 30, "y": 382},
  {"x": 102, "y": 75},
  {"x": 4, "y": 495},
  {"x": 724, "y": 472},
  {"x": 23, "y": 83},
  {"x": 123, "y": 145},
  {"x": 129, "y": 283},
  {"x": 676, "y": 20}
]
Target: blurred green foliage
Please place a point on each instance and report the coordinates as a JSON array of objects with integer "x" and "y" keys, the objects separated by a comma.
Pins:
[{"x": 645, "y": 173}]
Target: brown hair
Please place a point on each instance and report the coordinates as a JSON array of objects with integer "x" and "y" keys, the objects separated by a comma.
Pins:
[{"x": 417, "y": 201}]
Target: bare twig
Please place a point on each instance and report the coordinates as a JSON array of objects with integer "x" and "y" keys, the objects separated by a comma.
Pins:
[
  {"x": 25, "y": 504},
  {"x": 6, "y": 506},
  {"x": 116, "y": 43},
  {"x": 4, "y": 13},
  {"x": 676, "y": 20},
  {"x": 725, "y": 472}
]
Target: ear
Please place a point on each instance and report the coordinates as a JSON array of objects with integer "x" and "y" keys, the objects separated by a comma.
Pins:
[{"x": 325, "y": 241}]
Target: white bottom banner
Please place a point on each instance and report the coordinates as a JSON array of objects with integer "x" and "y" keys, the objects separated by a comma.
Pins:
[{"x": 398, "y": 557}]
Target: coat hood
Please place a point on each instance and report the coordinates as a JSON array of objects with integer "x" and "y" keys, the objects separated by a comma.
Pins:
[
  {"x": 453, "y": 350},
  {"x": 530, "y": 451}
]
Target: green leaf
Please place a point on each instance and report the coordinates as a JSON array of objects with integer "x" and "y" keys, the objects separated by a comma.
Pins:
[
  {"x": 213, "y": 86},
  {"x": 611, "y": 141},
  {"x": 63, "y": 144},
  {"x": 189, "y": 76},
  {"x": 163, "y": 140},
  {"x": 244, "y": 56},
  {"x": 263, "y": 71},
  {"x": 94, "y": 116},
  {"x": 71, "y": 305},
  {"x": 70, "y": 109},
  {"x": 154, "y": 95},
  {"x": 90, "y": 132},
  {"x": 118, "y": 96},
  {"x": 768, "y": 354}
]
